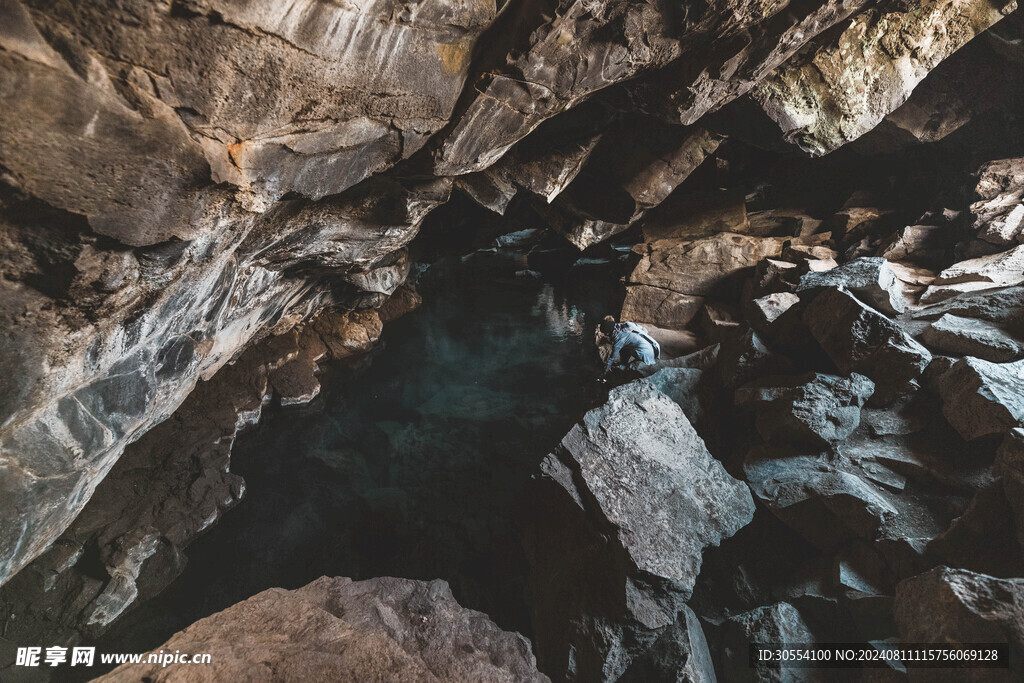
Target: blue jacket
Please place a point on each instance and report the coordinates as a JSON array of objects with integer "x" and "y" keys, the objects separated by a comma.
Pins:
[{"x": 633, "y": 339}]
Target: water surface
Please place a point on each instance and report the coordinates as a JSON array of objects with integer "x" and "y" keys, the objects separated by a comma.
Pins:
[{"x": 411, "y": 461}]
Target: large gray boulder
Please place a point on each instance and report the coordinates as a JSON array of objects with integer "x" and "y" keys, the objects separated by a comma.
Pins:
[
  {"x": 953, "y": 606},
  {"x": 980, "y": 398},
  {"x": 1010, "y": 468},
  {"x": 958, "y": 336},
  {"x": 825, "y": 499},
  {"x": 869, "y": 277},
  {"x": 383, "y": 629},
  {"x": 637, "y": 498},
  {"x": 858, "y": 339},
  {"x": 811, "y": 409},
  {"x": 683, "y": 386},
  {"x": 779, "y": 623}
]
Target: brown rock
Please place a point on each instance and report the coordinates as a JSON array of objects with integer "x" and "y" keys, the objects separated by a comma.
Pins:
[
  {"x": 681, "y": 271},
  {"x": 811, "y": 97},
  {"x": 382, "y": 629}
]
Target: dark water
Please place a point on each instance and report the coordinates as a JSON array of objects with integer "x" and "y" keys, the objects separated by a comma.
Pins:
[{"x": 411, "y": 464}]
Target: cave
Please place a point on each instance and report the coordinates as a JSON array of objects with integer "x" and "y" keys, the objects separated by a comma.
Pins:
[{"x": 512, "y": 341}]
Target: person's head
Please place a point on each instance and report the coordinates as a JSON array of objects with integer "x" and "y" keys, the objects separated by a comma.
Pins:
[{"x": 608, "y": 326}]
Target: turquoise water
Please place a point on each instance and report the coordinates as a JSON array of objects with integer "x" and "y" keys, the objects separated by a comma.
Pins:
[{"x": 412, "y": 460}]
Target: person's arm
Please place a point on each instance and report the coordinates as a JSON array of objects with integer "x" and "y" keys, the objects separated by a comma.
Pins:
[{"x": 619, "y": 343}]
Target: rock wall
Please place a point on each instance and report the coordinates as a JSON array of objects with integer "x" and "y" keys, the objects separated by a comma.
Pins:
[
  {"x": 863, "y": 378},
  {"x": 180, "y": 179}
]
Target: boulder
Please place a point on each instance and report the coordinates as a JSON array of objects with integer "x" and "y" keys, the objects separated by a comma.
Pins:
[
  {"x": 997, "y": 270},
  {"x": 810, "y": 409},
  {"x": 405, "y": 300},
  {"x": 980, "y": 398},
  {"x": 682, "y": 386},
  {"x": 858, "y": 339},
  {"x": 948, "y": 605},
  {"x": 668, "y": 284},
  {"x": 810, "y": 97},
  {"x": 861, "y": 218},
  {"x": 984, "y": 272},
  {"x": 1010, "y": 469},
  {"x": 925, "y": 245},
  {"x": 779, "y": 623},
  {"x": 743, "y": 357},
  {"x": 914, "y": 277},
  {"x": 1005, "y": 230},
  {"x": 653, "y": 479},
  {"x": 339, "y": 629},
  {"x": 870, "y": 278},
  {"x": 765, "y": 310},
  {"x": 680, "y": 653},
  {"x": 697, "y": 267},
  {"x": 773, "y": 275},
  {"x": 826, "y": 500},
  {"x": 966, "y": 337},
  {"x": 715, "y": 320},
  {"x": 984, "y": 538},
  {"x": 1003, "y": 305},
  {"x": 998, "y": 212},
  {"x": 638, "y": 498},
  {"x": 663, "y": 307},
  {"x": 783, "y": 222}
]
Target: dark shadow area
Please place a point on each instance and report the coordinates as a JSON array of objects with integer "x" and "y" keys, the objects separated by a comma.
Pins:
[{"x": 411, "y": 464}]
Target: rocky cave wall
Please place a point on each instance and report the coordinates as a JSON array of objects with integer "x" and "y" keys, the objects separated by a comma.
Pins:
[{"x": 182, "y": 179}]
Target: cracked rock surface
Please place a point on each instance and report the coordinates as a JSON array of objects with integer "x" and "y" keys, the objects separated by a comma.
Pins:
[{"x": 201, "y": 200}]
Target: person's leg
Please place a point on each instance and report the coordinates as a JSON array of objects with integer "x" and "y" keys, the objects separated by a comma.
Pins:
[{"x": 645, "y": 356}]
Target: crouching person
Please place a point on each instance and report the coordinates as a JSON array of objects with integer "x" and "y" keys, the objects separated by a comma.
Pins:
[{"x": 632, "y": 347}]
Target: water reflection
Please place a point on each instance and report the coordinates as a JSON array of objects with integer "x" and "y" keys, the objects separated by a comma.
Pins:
[{"x": 410, "y": 465}]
